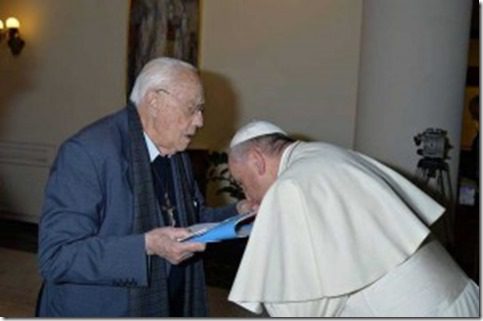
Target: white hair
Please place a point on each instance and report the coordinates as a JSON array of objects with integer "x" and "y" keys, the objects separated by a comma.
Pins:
[{"x": 157, "y": 73}]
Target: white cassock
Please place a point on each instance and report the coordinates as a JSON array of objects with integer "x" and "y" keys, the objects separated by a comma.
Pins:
[{"x": 340, "y": 234}]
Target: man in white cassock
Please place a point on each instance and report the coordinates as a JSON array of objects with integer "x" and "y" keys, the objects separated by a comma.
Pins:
[{"x": 339, "y": 234}]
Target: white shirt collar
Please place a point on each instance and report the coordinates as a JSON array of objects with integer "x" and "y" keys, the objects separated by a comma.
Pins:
[{"x": 153, "y": 151}]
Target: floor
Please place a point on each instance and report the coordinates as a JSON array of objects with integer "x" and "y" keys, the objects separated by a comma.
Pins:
[
  {"x": 19, "y": 279},
  {"x": 20, "y": 282}
]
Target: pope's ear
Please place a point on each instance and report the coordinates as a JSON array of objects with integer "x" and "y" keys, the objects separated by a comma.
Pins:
[{"x": 258, "y": 161}]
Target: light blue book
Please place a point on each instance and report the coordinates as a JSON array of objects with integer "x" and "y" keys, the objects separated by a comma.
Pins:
[{"x": 237, "y": 226}]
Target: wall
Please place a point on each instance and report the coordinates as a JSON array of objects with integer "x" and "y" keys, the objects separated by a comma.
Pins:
[
  {"x": 294, "y": 62},
  {"x": 71, "y": 71},
  {"x": 412, "y": 77}
]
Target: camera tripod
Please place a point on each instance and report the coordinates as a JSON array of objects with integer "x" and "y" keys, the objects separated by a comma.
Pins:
[{"x": 438, "y": 170}]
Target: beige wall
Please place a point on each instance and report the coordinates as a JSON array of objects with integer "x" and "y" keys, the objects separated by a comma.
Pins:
[
  {"x": 71, "y": 71},
  {"x": 294, "y": 62}
]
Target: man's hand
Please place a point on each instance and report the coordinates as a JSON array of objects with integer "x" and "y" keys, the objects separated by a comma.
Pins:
[{"x": 163, "y": 242}]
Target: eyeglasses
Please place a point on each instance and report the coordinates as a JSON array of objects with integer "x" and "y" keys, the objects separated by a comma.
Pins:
[{"x": 189, "y": 110}]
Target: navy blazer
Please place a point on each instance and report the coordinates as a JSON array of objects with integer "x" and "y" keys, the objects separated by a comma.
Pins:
[{"x": 88, "y": 256}]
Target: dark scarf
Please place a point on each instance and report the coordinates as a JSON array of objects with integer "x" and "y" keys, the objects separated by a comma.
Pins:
[{"x": 153, "y": 300}]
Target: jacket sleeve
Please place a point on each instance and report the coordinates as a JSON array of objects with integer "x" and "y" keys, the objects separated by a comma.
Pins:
[
  {"x": 206, "y": 214},
  {"x": 74, "y": 246},
  {"x": 213, "y": 214}
]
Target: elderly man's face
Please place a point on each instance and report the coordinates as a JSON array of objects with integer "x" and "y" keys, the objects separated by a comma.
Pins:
[{"x": 178, "y": 113}]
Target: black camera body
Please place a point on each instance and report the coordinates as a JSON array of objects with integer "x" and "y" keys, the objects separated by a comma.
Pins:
[{"x": 435, "y": 143}]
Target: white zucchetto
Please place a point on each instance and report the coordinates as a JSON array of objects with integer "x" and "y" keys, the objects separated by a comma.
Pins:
[{"x": 255, "y": 129}]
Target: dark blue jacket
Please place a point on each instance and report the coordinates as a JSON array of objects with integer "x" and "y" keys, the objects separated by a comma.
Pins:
[{"x": 88, "y": 254}]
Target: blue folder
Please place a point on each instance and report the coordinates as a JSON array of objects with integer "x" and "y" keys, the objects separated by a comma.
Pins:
[{"x": 237, "y": 226}]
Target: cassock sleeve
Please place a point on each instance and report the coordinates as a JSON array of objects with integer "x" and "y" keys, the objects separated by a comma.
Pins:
[{"x": 277, "y": 268}]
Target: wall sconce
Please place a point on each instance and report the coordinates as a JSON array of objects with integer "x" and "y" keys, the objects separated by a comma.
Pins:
[{"x": 12, "y": 34}]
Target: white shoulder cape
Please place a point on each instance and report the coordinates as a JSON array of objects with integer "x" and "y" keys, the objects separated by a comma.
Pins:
[{"x": 333, "y": 222}]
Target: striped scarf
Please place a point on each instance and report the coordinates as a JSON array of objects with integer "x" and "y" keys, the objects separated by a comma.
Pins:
[{"x": 153, "y": 300}]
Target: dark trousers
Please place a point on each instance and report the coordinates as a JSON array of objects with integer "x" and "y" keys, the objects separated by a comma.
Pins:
[{"x": 176, "y": 290}]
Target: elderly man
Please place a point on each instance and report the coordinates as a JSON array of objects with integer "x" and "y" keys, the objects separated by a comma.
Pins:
[
  {"x": 339, "y": 234},
  {"x": 117, "y": 200}
]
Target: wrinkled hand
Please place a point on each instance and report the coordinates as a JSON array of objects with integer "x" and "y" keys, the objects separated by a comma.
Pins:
[
  {"x": 245, "y": 206},
  {"x": 163, "y": 242}
]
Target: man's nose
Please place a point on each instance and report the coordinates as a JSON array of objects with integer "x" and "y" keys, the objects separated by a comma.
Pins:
[{"x": 199, "y": 121}]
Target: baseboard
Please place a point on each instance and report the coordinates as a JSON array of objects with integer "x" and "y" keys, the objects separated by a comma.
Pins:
[{"x": 19, "y": 217}]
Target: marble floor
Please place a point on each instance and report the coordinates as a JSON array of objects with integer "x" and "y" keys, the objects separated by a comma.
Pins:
[{"x": 20, "y": 282}]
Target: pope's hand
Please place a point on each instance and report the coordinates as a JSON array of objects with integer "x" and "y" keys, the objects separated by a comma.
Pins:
[{"x": 163, "y": 242}]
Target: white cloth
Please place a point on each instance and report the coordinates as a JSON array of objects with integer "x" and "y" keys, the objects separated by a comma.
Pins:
[
  {"x": 406, "y": 291},
  {"x": 428, "y": 284},
  {"x": 334, "y": 222}
]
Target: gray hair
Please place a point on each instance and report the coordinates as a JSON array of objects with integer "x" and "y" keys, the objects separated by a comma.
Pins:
[
  {"x": 271, "y": 144},
  {"x": 157, "y": 73}
]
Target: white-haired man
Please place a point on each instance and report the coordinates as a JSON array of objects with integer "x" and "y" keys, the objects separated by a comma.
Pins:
[
  {"x": 339, "y": 234},
  {"x": 119, "y": 196}
]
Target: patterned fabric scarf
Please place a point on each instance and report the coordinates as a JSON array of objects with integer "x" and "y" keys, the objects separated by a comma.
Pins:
[{"x": 153, "y": 300}]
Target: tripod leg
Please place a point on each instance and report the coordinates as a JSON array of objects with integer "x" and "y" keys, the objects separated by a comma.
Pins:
[
  {"x": 450, "y": 189},
  {"x": 422, "y": 176},
  {"x": 441, "y": 186},
  {"x": 449, "y": 204},
  {"x": 426, "y": 176}
]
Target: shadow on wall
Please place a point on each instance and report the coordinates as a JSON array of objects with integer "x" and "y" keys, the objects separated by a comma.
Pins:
[
  {"x": 221, "y": 113},
  {"x": 221, "y": 119}
]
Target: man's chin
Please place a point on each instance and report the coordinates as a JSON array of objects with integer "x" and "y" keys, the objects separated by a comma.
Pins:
[{"x": 185, "y": 145}]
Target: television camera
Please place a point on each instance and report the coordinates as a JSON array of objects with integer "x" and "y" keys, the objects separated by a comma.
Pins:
[{"x": 435, "y": 144}]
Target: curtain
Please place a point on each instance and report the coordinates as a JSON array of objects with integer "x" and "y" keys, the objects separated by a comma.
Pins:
[{"x": 161, "y": 28}]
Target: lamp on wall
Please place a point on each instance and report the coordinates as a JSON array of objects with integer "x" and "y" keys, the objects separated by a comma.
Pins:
[{"x": 12, "y": 35}]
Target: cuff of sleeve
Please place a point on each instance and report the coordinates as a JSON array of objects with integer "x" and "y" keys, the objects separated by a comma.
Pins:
[{"x": 132, "y": 261}]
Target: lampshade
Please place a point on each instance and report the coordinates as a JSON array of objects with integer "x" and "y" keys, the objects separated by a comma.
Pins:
[
  {"x": 12, "y": 23},
  {"x": 1, "y": 25}
]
